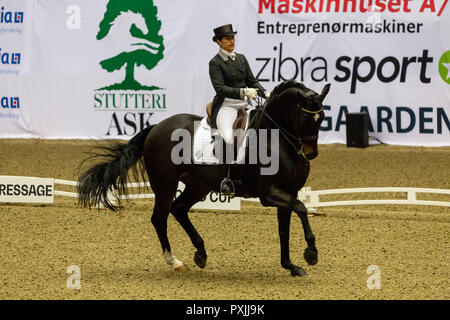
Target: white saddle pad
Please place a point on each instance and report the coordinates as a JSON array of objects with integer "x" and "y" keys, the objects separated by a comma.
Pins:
[{"x": 203, "y": 146}]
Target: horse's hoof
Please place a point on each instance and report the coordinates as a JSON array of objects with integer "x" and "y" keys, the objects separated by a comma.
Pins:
[
  {"x": 200, "y": 259},
  {"x": 181, "y": 269},
  {"x": 297, "y": 271},
  {"x": 311, "y": 256}
]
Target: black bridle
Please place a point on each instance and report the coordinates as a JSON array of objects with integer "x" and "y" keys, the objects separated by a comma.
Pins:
[{"x": 295, "y": 142}]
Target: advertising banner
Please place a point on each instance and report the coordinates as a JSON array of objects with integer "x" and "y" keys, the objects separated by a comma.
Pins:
[
  {"x": 26, "y": 189},
  {"x": 15, "y": 26},
  {"x": 214, "y": 201},
  {"x": 105, "y": 69}
]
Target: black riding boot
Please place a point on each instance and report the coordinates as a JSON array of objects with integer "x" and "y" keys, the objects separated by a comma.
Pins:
[{"x": 221, "y": 151}]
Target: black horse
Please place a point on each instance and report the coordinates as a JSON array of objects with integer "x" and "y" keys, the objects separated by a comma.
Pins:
[{"x": 293, "y": 109}]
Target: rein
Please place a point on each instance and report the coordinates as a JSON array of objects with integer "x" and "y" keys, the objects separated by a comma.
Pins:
[
  {"x": 287, "y": 135},
  {"x": 261, "y": 108}
]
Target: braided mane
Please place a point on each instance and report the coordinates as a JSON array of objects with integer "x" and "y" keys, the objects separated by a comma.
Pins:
[
  {"x": 293, "y": 120},
  {"x": 289, "y": 84},
  {"x": 273, "y": 97},
  {"x": 304, "y": 90}
]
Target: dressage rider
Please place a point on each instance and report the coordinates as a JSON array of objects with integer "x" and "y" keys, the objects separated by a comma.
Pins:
[{"x": 234, "y": 82}]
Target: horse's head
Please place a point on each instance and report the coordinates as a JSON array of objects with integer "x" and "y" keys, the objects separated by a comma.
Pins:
[
  {"x": 304, "y": 114},
  {"x": 125, "y": 30},
  {"x": 130, "y": 22}
]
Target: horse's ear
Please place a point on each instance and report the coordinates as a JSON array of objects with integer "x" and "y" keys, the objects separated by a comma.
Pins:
[{"x": 325, "y": 91}]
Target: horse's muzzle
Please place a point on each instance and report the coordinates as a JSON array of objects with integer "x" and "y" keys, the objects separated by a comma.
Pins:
[
  {"x": 311, "y": 156},
  {"x": 310, "y": 151}
]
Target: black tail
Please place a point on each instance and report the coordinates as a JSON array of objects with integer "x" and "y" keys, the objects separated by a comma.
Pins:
[{"x": 95, "y": 183}]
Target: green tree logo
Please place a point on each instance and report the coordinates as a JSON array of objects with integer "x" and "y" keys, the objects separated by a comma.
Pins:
[
  {"x": 138, "y": 30},
  {"x": 444, "y": 67}
]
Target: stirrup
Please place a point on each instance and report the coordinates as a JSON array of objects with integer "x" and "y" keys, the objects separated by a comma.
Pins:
[{"x": 227, "y": 192}]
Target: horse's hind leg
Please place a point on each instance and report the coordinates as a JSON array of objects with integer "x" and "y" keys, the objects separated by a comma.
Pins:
[
  {"x": 180, "y": 208},
  {"x": 163, "y": 200}
]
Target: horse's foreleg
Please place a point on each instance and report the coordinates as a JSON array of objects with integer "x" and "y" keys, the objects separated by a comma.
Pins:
[
  {"x": 284, "y": 221},
  {"x": 287, "y": 203},
  {"x": 311, "y": 253}
]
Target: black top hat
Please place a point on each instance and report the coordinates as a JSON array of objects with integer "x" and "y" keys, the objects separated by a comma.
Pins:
[{"x": 225, "y": 30}]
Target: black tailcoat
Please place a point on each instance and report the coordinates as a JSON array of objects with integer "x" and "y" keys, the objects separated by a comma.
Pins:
[{"x": 228, "y": 76}]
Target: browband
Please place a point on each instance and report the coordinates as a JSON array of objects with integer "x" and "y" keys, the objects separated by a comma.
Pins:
[{"x": 313, "y": 112}]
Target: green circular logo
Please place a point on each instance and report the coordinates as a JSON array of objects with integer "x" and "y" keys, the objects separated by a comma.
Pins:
[{"x": 444, "y": 67}]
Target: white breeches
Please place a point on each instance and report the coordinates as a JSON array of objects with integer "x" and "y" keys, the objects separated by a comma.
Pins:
[{"x": 226, "y": 116}]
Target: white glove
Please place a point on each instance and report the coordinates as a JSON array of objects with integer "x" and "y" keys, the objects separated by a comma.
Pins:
[
  {"x": 250, "y": 92},
  {"x": 267, "y": 94}
]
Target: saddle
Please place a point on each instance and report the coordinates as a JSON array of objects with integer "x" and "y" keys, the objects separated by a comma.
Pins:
[{"x": 239, "y": 123}]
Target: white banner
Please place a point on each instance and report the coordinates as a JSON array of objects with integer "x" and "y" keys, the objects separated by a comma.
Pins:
[
  {"x": 26, "y": 189},
  {"x": 106, "y": 69},
  {"x": 214, "y": 201}
]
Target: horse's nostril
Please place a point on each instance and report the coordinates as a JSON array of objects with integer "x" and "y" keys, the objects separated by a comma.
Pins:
[{"x": 311, "y": 156}]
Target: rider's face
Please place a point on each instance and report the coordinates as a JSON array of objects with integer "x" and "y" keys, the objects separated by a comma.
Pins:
[{"x": 227, "y": 43}]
